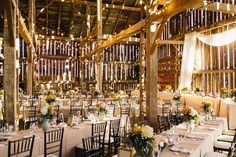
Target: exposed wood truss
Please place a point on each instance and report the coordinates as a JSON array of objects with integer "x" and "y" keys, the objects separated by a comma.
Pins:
[
  {"x": 108, "y": 6},
  {"x": 175, "y": 7}
]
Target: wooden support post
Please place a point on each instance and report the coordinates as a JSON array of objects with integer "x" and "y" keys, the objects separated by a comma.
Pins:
[
  {"x": 30, "y": 59},
  {"x": 151, "y": 81},
  {"x": 99, "y": 65},
  {"x": 142, "y": 74},
  {"x": 10, "y": 71}
]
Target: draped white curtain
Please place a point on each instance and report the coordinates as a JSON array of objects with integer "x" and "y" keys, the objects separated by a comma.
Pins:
[
  {"x": 188, "y": 60},
  {"x": 190, "y": 52},
  {"x": 219, "y": 39}
]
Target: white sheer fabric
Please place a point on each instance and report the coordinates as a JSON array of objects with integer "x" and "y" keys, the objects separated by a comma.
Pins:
[
  {"x": 219, "y": 39},
  {"x": 188, "y": 60},
  {"x": 190, "y": 53}
]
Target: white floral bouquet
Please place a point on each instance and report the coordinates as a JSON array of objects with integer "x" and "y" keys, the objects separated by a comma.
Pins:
[
  {"x": 102, "y": 109},
  {"x": 47, "y": 112},
  {"x": 1, "y": 94},
  {"x": 72, "y": 93},
  {"x": 176, "y": 97},
  {"x": 190, "y": 114},
  {"x": 233, "y": 94},
  {"x": 168, "y": 88},
  {"x": 184, "y": 90},
  {"x": 141, "y": 138},
  {"x": 50, "y": 97},
  {"x": 207, "y": 107}
]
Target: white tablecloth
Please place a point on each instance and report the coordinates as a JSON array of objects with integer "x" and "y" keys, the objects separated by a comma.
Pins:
[
  {"x": 209, "y": 131},
  {"x": 228, "y": 109}
]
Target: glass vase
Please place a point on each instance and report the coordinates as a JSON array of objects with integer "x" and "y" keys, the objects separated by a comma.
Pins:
[
  {"x": 190, "y": 126},
  {"x": 45, "y": 125}
]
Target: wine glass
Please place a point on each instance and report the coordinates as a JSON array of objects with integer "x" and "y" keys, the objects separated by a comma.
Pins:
[
  {"x": 11, "y": 127},
  {"x": 176, "y": 140}
]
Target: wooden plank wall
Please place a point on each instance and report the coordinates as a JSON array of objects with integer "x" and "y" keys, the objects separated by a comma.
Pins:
[
  {"x": 219, "y": 66},
  {"x": 220, "y": 58},
  {"x": 57, "y": 58}
]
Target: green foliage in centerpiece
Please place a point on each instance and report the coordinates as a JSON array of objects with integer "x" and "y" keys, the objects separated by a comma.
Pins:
[
  {"x": 233, "y": 94},
  {"x": 190, "y": 114},
  {"x": 168, "y": 88},
  {"x": 141, "y": 138},
  {"x": 207, "y": 106},
  {"x": 197, "y": 91},
  {"x": 50, "y": 97},
  {"x": 102, "y": 109},
  {"x": 224, "y": 92},
  {"x": 47, "y": 112},
  {"x": 97, "y": 93},
  {"x": 184, "y": 90},
  {"x": 1, "y": 94},
  {"x": 176, "y": 97}
]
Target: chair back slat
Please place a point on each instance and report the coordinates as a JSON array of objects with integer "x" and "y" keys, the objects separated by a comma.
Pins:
[
  {"x": 22, "y": 147},
  {"x": 53, "y": 142},
  {"x": 92, "y": 146}
]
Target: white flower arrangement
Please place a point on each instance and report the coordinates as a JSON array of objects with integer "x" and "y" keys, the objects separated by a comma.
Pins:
[{"x": 147, "y": 131}]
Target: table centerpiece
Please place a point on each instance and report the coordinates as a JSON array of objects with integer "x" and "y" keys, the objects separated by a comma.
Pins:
[
  {"x": 46, "y": 114},
  {"x": 224, "y": 92},
  {"x": 50, "y": 97},
  {"x": 177, "y": 97},
  {"x": 233, "y": 94},
  {"x": 141, "y": 139},
  {"x": 184, "y": 90},
  {"x": 208, "y": 109},
  {"x": 197, "y": 91},
  {"x": 168, "y": 88},
  {"x": 190, "y": 118},
  {"x": 102, "y": 111},
  {"x": 1, "y": 94}
]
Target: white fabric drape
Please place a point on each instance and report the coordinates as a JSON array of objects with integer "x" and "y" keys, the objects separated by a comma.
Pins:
[
  {"x": 219, "y": 39},
  {"x": 190, "y": 53},
  {"x": 188, "y": 60}
]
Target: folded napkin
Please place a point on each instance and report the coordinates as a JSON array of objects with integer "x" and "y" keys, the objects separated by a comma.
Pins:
[
  {"x": 212, "y": 129},
  {"x": 78, "y": 127},
  {"x": 196, "y": 137},
  {"x": 181, "y": 149}
]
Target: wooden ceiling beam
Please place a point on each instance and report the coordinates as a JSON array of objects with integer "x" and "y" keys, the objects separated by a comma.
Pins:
[
  {"x": 158, "y": 35},
  {"x": 10, "y": 21},
  {"x": 104, "y": 5},
  {"x": 23, "y": 31},
  {"x": 117, "y": 19},
  {"x": 59, "y": 20},
  {"x": 175, "y": 7},
  {"x": 171, "y": 42},
  {"x": 128, "y": 19},
  {"x": 108, "y": 13},
  {"x": 219, "y": 7}
]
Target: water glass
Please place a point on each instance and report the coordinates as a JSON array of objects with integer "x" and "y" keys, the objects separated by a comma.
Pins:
[{"x": 176, "y": 140}]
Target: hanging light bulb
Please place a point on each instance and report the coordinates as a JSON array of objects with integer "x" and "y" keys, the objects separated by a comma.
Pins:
[{"x": 217, "y": 5}]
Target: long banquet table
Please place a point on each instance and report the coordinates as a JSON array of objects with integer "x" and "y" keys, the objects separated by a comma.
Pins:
[
  {"x": 72, "y": 137},
  {"x": 223, "y": 107},
  {"x": 206, "y": 136}
]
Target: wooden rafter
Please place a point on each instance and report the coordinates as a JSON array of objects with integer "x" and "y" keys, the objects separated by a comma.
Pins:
[
  {"x": 104, "y": 5},
  {"x": 59, "y": 20},
  {"x": 107, "y": 15},
  {"x": 172, "y": 42},
  {"x": 128, "y": 19},
  {"x": 158, "y": 34},
  {"x": 46, "y": 7},
  {"x": 175, "y": 7},
  {"x": 220, "y": 7},
  {"x": 117, "y": 19},
  {"x": 71, "y": 20},
  {"x": 10, "y": 21}
]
